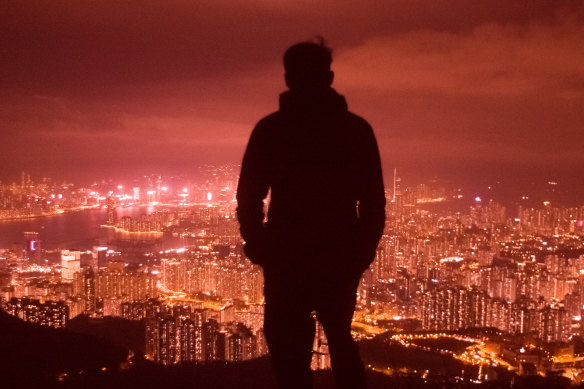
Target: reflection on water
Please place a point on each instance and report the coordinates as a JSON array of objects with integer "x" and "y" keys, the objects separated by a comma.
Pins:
[{"x": 75, "y": 230}]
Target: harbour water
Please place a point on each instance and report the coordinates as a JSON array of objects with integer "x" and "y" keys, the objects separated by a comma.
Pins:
[{"x": 72, "y": 230}]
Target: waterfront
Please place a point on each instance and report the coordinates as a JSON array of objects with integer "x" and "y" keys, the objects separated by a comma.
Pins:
[{"x": 72, "y": 230}]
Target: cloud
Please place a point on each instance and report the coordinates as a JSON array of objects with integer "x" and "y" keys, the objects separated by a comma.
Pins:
[
  {"x": 165, "y": 83},
  {"x": 491, "y": 59}
]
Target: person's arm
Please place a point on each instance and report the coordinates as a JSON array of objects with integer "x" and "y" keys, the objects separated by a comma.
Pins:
[
  {"x": 252, "y": 189},
  {"x": 371, "y": 198}
]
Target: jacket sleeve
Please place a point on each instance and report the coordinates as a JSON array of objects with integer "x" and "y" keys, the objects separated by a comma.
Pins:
[
  {"x": 371, "y": 196},
  {"x": 253, "y": 188}
]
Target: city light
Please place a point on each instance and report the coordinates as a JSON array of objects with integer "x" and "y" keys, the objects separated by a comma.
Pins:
[{"x": 504, "y": 273}]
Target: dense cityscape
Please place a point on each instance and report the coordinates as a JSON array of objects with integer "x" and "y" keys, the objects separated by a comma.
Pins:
[
  {"x": 124, "y": 128},
  {"x": 452, "y": 268}
]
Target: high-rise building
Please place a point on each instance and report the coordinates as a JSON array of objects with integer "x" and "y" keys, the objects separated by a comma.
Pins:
[
  {"x": 88, "y": 281},
  {"x": 51, "y": 313},
  {"x": 111, "y": 216},
  {"x": 321, "y": 358},
  {"x": 101, "y": 255},
  {"x": 455, "y": 308},
  {"x": 134, "y": 310},
  {"x": 523, "y": 316},
  {"x": 70, "y": 264},
  {"x": 211, "y": 349},
  {"x": 32, "y": 244},
  {"x": 240, "y": 344},
  {"x": 178, "y": 335},
  {"x": 554, "y": 324},
  {"x": 396, "y": 186}
]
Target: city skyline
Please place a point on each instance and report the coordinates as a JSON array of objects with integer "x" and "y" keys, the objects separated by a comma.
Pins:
[
  {"x": 122, "y": 130},
  {"x": 485, "y": 288},
  {"x": 472, "y": 92}
]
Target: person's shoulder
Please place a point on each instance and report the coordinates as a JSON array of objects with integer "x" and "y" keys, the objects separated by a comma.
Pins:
[
  {"x": 270, "y": 121},
  {"x": 263, "y": 130},
  {"x": 357, "y": 122}
]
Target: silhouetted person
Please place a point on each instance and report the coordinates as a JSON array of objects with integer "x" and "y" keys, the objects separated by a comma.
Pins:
[{"x": 320, "y": 164}]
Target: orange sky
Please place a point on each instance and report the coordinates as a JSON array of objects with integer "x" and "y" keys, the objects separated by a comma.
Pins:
[{"x": 463, "y": 90}]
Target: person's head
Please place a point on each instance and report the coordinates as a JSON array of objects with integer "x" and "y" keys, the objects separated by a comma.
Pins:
[{"x": 308, "y": 66}]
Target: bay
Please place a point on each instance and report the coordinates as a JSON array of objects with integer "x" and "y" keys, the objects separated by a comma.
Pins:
[{"x": 71, "y": 230}]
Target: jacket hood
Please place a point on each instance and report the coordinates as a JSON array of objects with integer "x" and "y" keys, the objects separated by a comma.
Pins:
[{"x": 320, "y": 102}]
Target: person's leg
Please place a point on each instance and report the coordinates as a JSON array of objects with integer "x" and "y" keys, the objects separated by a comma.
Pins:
[
  {"x": 289, "y": 331},
  {"x": 335, "y": 312}
]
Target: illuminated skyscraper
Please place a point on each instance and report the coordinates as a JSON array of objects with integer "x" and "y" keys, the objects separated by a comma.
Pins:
[
  {"x": 166, "y": 340},
  {"x": 188, "y": 332},
  {"x": 213, "y": 341},
  {"x": 101, "y": 254},
  {"x": 396, "y": 185},
  {"x": 88, "y": 285},
  {"x": 523, "y": 316},
  {"x": 111, "y": 216},
  {"x": 455, "y": 308},
  {"x": 240, "y": 344},
  {"x": 158, "y": 188},
  {"x": 133, "y": 310},
  {"x": 33, "y": 246},
  {"x": 51, "y": 313},
  {"x": 177, "y": 334},
  {"x": 70, "y": 264},
  {"x": 553, "y": 324},
  {"x": 320, "y": 351}
]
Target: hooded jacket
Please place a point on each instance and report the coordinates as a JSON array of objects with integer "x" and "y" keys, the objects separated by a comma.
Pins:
[{"x": 320, "y": 165}]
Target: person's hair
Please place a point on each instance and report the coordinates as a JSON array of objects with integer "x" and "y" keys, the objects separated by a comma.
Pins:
[{"x": 307, "y": 63}]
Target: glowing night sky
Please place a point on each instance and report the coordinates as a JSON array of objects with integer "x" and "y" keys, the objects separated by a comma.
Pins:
[{"x": 470, "y": 90}]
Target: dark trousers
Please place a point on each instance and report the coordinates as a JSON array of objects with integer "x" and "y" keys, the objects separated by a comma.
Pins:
[{"x": 291, "y": 297}]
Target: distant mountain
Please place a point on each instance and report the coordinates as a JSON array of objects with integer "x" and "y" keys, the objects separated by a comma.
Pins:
[
  {"x": 32, "y": 355},
  {"x": 130, "y": 334}
]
